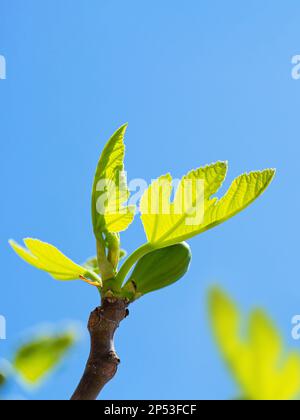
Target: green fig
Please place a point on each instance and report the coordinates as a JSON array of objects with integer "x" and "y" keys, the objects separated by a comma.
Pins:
[{"x": 158, "y": 269}]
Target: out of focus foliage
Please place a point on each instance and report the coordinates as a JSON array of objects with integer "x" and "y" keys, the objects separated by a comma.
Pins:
[
  {"x": 37, "y": 358},
  {"x": 5, "y": 371},
  {"x": 2, "y": 379},
  {"x": 255, "y": 355}
]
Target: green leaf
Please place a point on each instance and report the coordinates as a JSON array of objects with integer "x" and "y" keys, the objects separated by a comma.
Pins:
[
  {"x": 157, "y": 270},
  {"x": 38, "y": 358},
  {"x": 92, "y": 264},
  {"x": 123, "y": 254},
  {"x": 194, "y": 210},
  {"x": 110, "y": 190},
  {"x": 2, "y": 379},
  {"x": 5, "y": 373},
  {"x": 257, "y": 360},
  {"x": 225, "y": 320},
  {"x": 48, "y": 258}
]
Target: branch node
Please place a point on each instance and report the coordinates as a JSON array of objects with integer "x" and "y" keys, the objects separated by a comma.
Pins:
[{"x": 113, "y": 357}]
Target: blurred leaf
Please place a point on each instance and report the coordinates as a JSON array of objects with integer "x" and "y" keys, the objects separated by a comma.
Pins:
[
  {"x": 5, "y": 373},
  {"x": 257, "y": 359},
  {"x": 2, "y": 379},
  {"x": 38, "y": 358}
]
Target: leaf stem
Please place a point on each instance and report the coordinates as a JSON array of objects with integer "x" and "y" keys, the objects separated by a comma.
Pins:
[
  {"x": 113, "y": 240},
  {"x": 131, "y": 260},
  {"x": 106, "y": 269},
  {"x": 91, "y": 283}
]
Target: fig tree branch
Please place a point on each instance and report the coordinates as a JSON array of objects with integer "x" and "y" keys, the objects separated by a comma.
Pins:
[{"x": 103, "y": 361}]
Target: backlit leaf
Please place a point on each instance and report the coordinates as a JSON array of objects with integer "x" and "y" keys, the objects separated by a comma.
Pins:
[
  {"x": 48, "y": 258},
  {"x": 38, "y": 358},
  {"x": 110, "y": 190},
  {"x": 194, "y": 210},
  {"x": 256, "y": 357}
]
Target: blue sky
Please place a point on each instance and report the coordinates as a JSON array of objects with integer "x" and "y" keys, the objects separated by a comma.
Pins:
[{"x": 198, "y": 81}]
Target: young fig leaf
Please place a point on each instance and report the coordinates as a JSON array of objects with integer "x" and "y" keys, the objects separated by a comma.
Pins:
[
  {"x": 48, "y": 258},
  {"x": 110, "y": 190},
  {"x": 92, "y": 264},
  {"x": 158, "y": 269},
  {"x": 164, "y": 228}
]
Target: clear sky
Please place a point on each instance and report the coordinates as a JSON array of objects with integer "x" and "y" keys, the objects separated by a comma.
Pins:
[{"x": 198, "y": 81}]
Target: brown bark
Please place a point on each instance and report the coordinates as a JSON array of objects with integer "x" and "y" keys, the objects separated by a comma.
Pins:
[{"x": 103, "y": 361}]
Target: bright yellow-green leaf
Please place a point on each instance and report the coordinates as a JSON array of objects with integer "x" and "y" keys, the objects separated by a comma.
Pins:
[
  {"x": 38, "y": 358},
  {"x": 48, "y": 258},
  {"x": 225, "y": 319},
  {"x": 110, "y": 190},
  {"x": 194, "y": 210},
  {"x": 289, "y": 378},
  {"x": 264, "y": 338},
  {"x": 257, "y": 359},
  {"x": 244, "y": 190}
]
